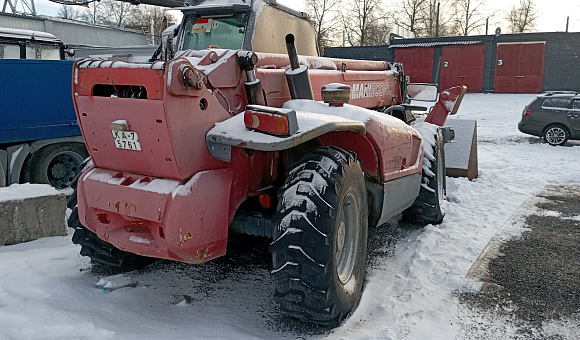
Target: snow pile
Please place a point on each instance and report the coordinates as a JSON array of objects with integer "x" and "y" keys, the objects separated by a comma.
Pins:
[
  {"x": 429, "y": 133},
  {"x": 349, "y": 112},
  {"x": 19, "y": 192},
  {"x": 110, "y": 283},
  {"x": 99, "y": 63},
  {"x": 157, "y": 185}
]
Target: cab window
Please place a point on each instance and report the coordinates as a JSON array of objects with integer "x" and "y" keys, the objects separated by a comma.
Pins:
[
  {"x": 42, "y": 51},
  {"x": 223, "y": 32},
  {"x": 9, "y": 51}
]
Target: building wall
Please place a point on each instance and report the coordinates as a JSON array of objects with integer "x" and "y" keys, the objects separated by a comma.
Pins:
[
  {"x": 561, "y": 64},
  {"x": 75, "y": 32},
  {"x": 361, "y": 52}
]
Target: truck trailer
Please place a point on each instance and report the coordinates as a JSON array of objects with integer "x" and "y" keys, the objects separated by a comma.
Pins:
[{"x": 40, "y": 140}]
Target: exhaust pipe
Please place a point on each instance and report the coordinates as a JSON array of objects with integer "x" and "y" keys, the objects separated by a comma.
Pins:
[{"x": 296, "y": 75}]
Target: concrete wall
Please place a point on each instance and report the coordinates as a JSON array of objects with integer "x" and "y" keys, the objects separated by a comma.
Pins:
[
  {"x": 75, "y": 32},
  {"x": 361, "y": 52},
  {"x": 29, "y": 212}
]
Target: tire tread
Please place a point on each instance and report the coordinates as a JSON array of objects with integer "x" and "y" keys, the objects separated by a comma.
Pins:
[{"x": 304, "y": 289}]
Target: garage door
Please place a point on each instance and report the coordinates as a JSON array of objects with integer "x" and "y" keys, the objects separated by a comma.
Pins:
[
  {"x": 519, "y": 68},
  {"x": 462, "y": 65},
  {"x": 417, "y": 63}
]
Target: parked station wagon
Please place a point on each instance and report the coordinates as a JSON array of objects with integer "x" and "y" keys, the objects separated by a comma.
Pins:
[{"x": 554, "y": 116}]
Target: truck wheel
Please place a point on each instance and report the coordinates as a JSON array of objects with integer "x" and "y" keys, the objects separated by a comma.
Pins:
[
  {"x": 101, "y": 253},
  {"x": 427, "y": 208},
  {"x": 556, "y": 135},
  {"x": 55, "y": 164},
  {"x": 320, "y": 237}
]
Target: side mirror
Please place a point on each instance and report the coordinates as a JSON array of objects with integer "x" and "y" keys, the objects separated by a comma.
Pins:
[{"x": 422, "y": 92}]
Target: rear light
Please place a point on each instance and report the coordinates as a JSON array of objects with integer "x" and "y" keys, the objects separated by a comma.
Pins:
[
  {"x": 274, "y": 121},
  {"x": 527, "y": 112}
]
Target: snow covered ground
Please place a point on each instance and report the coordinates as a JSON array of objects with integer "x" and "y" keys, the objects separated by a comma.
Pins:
[{"x": 47, "y": 289}]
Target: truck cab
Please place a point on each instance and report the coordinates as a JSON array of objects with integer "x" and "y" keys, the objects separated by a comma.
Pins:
[
  {"x": 26, "y": 44},
  {"x": 40, "y": 140}
]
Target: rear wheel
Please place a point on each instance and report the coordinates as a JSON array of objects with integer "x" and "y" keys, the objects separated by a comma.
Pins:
[
  {"x": 320, "y": 237},
  {"x": 428, "y": 206},
  {"x": 56, "y": 164},
  {"x": 556, "y": 135},
  {"x": 101, "y": 253}
]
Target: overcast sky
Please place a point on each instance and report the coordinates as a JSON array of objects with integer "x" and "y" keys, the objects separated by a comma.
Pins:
[{"x": 551, "y": 13}]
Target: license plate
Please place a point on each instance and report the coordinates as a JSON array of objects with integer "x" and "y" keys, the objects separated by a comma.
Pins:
[{"x": 128, "y": 140}]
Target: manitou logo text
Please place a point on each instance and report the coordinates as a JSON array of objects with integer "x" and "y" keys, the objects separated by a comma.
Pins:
[{"x": 366, "y": 90}]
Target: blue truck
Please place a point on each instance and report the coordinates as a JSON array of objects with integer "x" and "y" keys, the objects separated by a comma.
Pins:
[{"x": 40, "y": 140}]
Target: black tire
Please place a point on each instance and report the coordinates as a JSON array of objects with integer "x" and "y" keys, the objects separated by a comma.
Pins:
[
  {"x": 55, "y": 164},
  {"x": 71, "y": 202},
  {"x": 320, "y": 237},
  {"x": 427, "y": 208},
  {"x": 556, "y": 135},
  {"x": 101, "y": 253}
]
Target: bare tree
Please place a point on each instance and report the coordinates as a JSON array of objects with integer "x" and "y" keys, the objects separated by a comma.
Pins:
[
  {"x": 430, "y": 14},
  {"x": 411, "y": 17},
  {"x": 378, "y": 32},
  {"x": 522, "y": 18},
  {"x": 117, "y": 12},
  {"x": 68, "y": 12},
  {"x": 426, "y": 18},
  {"x": 365, "y": 24},
  {"x": 147, "y": 17},
  {"x": 469, "y": 16},
  {"x": 322, "y": 14},
  {"x": 93, "y": 13}
]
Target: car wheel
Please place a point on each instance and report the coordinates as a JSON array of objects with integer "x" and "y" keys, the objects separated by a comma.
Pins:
[{"x": 556, "y": 135}]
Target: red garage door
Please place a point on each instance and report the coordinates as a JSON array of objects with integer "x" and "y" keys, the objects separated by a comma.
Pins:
[
  {"x": 417, "y": 63},
  {"x": 519, "y": 68},
  {"x": 462, "y": 65}
]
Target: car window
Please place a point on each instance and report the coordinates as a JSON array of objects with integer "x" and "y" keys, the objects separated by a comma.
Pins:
[
  {"x": 576, "y": 104},
  {"x": 556, "y": 103}
]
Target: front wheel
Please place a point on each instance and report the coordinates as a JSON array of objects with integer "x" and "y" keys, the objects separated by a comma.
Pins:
[
  {"x": 556, "y": 135},
  {"x": 320, "y": 238},
  {"x": 428, "y": 206}
]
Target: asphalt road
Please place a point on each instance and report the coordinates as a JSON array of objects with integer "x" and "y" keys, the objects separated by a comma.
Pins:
[{"x": 531, "y": 281}]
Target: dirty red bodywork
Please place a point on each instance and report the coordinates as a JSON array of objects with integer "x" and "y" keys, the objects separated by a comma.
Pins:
[{"x": 173, "y": 199}]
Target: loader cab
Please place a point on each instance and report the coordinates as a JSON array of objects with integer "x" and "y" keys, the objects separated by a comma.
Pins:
[{"x": 258, "y": 26}]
